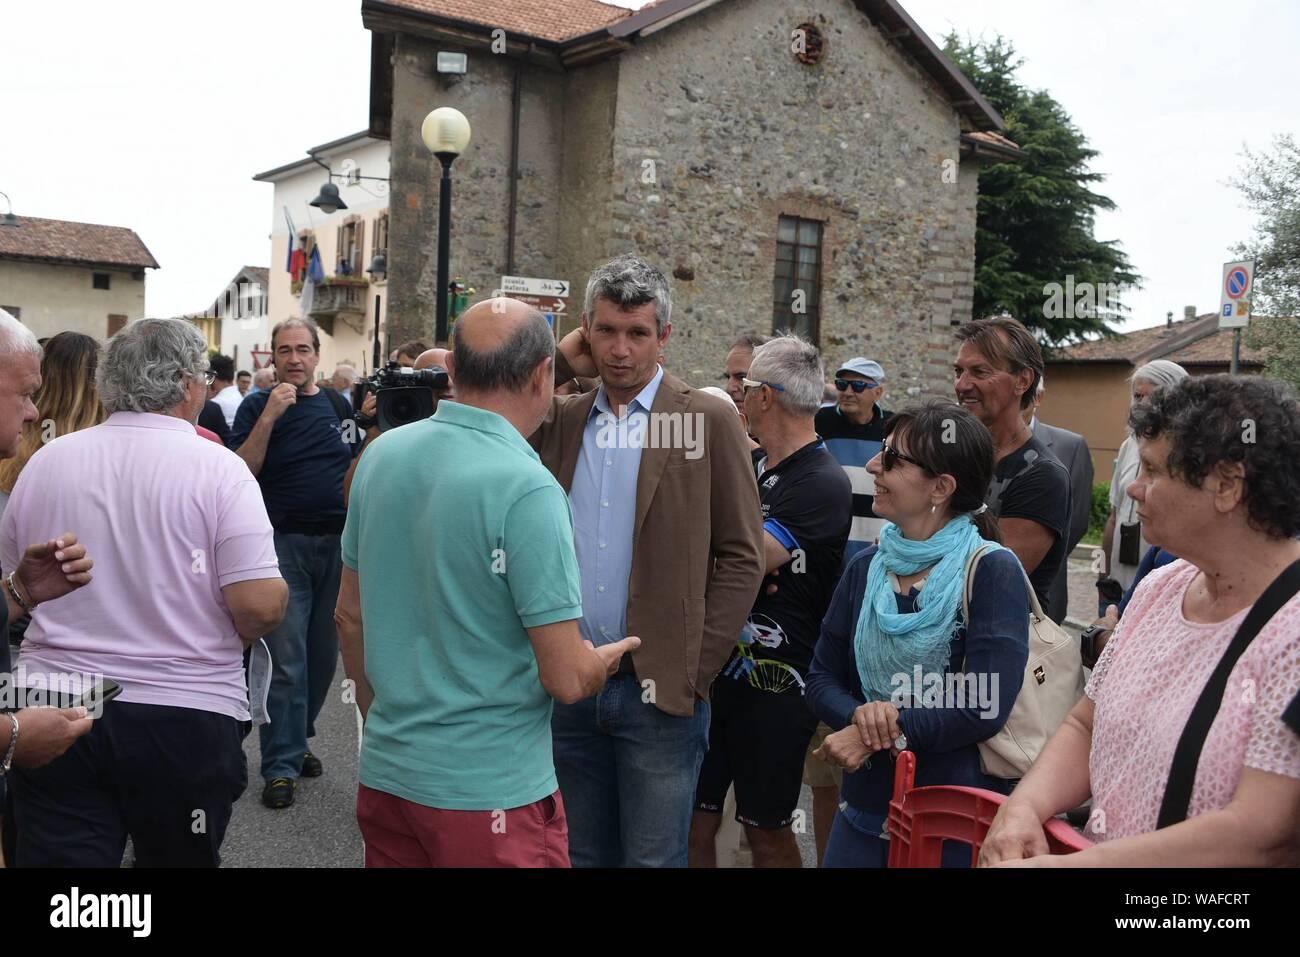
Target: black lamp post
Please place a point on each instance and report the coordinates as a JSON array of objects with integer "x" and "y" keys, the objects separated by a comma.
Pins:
[{"x": 446, "y": 133}]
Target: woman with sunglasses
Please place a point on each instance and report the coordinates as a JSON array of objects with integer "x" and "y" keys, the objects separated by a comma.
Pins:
[{"x": 896, "y": 666}]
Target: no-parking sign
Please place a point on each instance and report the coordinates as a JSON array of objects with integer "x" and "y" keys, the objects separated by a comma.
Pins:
[{"x": 1234, "y": 309}]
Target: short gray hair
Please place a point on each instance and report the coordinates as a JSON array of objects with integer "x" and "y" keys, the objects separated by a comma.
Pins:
[
  {"x": 349, "y": 371},
  {"x": 262, "y": 378},
  {"x": 630, "y": 281},
  {"x": 795, "y": 364},
  {"x": 1159, "y": 372},
  {"x": 508, "y": 366},
  {"x": 16, "y": 339},
  {"x": 145, "y": 365}
]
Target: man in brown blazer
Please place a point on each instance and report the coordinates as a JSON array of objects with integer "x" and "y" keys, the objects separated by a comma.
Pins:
[{"x": 668, "y": 534}]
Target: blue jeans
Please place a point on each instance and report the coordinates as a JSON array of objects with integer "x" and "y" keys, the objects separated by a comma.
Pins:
[
  {"x": 627, "y": 772},
  {"x": 304, "y": 649}
]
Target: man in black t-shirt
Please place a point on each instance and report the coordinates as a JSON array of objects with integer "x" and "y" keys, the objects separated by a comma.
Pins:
[
  {"x": 760, "y": 724},
  {"x": 997, "y": 372},
  {"x": 298, "y": 440}
]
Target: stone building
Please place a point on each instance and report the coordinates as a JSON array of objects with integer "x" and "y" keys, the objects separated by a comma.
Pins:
[
  {"x": 809, "y": 165},
  {"x": 59, "y": 276}
]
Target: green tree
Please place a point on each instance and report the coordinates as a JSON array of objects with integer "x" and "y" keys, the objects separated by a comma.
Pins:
[
  {"x": 1270, "y": 183},
  {"x": 1035, "y": 218}
]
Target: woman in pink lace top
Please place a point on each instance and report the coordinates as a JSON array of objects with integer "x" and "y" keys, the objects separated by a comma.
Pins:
[{"x": 1219, "y": 485}]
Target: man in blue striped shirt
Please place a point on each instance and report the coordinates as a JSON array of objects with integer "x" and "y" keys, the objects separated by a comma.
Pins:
[{"x": 853, "y": 430}]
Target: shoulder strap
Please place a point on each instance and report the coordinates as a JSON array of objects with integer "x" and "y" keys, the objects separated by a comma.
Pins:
[
  {"x": 1182, "y": 774},
  {"x": 341, "y": 407},
  {"x": 1035, "y": 607},
  {"x": 971, "y": 562}
]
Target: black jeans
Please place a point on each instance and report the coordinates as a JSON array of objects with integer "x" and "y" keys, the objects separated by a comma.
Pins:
[{"x": 166, "y": 776}]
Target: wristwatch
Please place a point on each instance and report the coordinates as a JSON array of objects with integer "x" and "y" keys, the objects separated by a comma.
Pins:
[
  {"x": 900, "y": 742},
  {"x": 13, "y": 744}
]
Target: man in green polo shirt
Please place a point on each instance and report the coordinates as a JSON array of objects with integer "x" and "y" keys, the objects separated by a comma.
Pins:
[{"x": 458, "y": 615}]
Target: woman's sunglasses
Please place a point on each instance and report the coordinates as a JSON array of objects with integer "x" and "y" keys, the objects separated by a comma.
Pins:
[
  {"x": 890, "y": 456},
  {"x": 857, "y": 385}
]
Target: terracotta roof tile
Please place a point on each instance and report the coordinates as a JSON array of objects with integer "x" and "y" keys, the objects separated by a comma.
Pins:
[
  {"x": 56, "y": 240},
  {"x": 1196, "y": 341},
  {"x": 555, "y": 20}
]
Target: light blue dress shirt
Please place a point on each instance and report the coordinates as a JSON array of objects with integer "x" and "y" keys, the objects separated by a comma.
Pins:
[{"x": 603, "y": 498}]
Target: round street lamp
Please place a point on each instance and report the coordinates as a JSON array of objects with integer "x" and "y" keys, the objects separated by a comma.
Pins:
[{"x": 446, "y": 133}]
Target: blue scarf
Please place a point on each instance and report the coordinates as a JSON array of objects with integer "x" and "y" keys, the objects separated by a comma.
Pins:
[{"x": 888, "y": 643}]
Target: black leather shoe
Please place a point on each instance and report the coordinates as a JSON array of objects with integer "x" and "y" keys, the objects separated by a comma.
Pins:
[
  {"x": 311, "y": 766},
  {"x": 278, "y": 793}
]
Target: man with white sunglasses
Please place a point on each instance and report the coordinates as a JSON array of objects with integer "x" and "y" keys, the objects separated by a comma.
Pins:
[{"x": 853, "y": 429}]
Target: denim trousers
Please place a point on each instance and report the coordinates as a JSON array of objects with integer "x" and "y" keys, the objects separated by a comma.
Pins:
[
  {"x": 627, "y": 772},
  {"x": 304, "y": 649}
]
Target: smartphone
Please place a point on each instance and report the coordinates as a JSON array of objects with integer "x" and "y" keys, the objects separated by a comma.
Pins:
[{"x": 105, "y": 690}]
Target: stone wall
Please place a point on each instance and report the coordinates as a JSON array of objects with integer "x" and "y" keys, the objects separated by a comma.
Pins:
[
  {"x": 481, "y": 179},
  {"x": 686, "y": 149},
  {"x": 739, "y": 132}
]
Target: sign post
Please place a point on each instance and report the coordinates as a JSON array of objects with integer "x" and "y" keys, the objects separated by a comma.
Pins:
[
  {"x": 548, "y": 296},
  {"x": 1234, "y": 309}
]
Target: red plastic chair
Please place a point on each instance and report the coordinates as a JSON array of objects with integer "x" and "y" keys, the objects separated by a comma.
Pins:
[{"x": 921, "y": 819}]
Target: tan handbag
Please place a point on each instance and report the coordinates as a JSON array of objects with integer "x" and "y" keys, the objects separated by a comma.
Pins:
[{"x": 1053, "y": 685}]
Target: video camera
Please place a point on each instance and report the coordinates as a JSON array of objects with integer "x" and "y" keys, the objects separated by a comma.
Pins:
[{"x": 402, "y": 395}]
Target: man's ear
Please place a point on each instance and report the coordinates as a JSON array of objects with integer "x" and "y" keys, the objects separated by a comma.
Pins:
[
  {"x": 668, "y": 331},
  {"x": 544, "y": 376},
  {"x": 450, "y": 365},
  {"x": 586, "y": 324}
]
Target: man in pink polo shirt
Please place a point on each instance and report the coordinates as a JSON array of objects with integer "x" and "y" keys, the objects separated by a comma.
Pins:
[{"x": 185, "y": 578}]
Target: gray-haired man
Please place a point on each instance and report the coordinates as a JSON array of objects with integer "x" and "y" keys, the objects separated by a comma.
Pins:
[
  {"x": 761, "y": 724},
  {"x": 669, "y": 545}
]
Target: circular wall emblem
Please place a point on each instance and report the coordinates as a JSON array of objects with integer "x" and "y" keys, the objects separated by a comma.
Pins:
[{"x": 807, "y": 43}]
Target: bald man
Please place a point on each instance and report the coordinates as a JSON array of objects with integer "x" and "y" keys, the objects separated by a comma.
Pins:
[{"x": 456, "y": 767}]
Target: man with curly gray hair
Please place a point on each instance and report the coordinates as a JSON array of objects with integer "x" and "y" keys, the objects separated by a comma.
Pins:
[{"x": 186, "y": 579}]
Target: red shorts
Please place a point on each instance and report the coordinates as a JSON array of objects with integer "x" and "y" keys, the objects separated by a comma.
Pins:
[{"x": 401, "y": 833}]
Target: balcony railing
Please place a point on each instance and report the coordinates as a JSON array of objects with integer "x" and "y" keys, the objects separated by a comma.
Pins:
[{"x": 345, "y": 301}]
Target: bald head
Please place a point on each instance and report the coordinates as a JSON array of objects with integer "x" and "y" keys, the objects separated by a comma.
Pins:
[
  {"x": 499, "y": 344},
  {"x": 432, "y": 357}
]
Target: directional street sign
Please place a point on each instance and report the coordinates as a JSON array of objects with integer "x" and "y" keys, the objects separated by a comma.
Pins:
[
  {"x": 1234, "y": 310},
  {"x": 546, "y": 304},
  {"x": 528, "y": 286}
]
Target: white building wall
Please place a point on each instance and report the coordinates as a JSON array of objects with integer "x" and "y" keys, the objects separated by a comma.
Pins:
[{"x": 368, "y": 200}]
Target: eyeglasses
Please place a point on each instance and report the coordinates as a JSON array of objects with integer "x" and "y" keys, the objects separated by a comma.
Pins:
[
  {"x": 209, "y": 376},
  {"x": 755, "y": 383},
  {"x": 857, "y": 385},
  {"x": 890, "y": 456}
]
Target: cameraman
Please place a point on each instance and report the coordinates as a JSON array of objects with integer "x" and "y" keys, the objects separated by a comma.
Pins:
[{"x": 435, "y": 359}]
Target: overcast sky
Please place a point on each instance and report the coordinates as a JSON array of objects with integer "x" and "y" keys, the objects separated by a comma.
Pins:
[{"x": 155, "y": 114}]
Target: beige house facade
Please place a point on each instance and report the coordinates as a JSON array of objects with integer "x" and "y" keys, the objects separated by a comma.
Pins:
[{"x": 58, "y": 276}]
